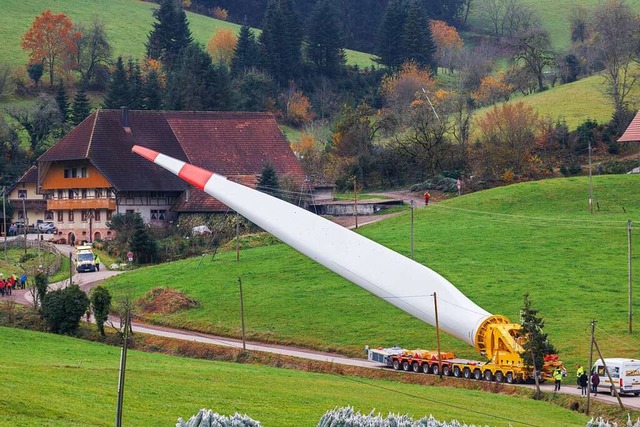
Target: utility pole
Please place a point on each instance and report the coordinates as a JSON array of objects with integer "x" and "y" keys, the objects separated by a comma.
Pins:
[
  {"x": 25, "y": 223},
  {"x": 412, "y": 203},
  {"x": 435, "y": 305},
  {"x": 237, "y": 236},
  {"x": 590, "y": 181},
  {"x": 70, "y": 268},
  {"x": 4, "y": 219},
  {"x": 123, "y": 366},
  {"x": 355, "y": 199},
  {"x": 613, "y": 388},
  {"x": 593, "y": 332},
  {"x": 629, "y": 227},
  {"x": 91, "y": 226},
  {"x": 244, "y": 343}
]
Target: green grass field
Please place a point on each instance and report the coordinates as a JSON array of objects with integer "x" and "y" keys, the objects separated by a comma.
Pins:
[
  {"x": 59, "y": 381},
  {"x": 128, "y": 23},
  {"x": 495, "y": 245}
]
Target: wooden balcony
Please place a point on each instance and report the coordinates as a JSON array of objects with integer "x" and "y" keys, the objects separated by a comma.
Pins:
[{"x": 80, "y": 204}]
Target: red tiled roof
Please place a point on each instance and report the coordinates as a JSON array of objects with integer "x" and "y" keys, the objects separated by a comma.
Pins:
[
  {"x": 632, "y": 133},
  {"x": 31, "y": 175},
  {"x": 227, "y": 143}
]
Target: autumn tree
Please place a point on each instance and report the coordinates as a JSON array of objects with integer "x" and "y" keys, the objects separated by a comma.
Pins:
[
  {"x": 221, "y": 46},
  {"x": 492, "y": 89},
  {"x": 448, "y": 44},
  {"x": 51, "y": 40},
  {"x": 311, "y": 153},
  {"x": 401, "y": 88},
  {"x": 220, "y": 13},
  {"x": 297, "y": 108}
]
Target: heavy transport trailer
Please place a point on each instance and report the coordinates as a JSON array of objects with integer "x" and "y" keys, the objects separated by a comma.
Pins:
[{"x": 387, "y": 274}]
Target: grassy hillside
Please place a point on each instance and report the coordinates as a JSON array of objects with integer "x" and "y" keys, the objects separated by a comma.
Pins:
[
  {"x": 68, "y": 382},
  {"x": 535, "y": 237},
  {"x": 128, "y": 24}
]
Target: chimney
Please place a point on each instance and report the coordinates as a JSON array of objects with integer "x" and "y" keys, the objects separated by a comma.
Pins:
[{"x": 124, "y": 117}]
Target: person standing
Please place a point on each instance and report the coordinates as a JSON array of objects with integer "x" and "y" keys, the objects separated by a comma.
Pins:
[
  {"x": 595, "y": 381},
  {"x": 557, "y": 376},
  {"x": 579, "y": 373},
  {"x": 23, "y": 281},
  {"x": 427, "y": 196},
  {"x": 583, "y": 380},
  {"x": 97, "y": 263}
]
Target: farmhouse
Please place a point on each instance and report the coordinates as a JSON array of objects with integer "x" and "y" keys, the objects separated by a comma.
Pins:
[{"x": 91, "y": 174}]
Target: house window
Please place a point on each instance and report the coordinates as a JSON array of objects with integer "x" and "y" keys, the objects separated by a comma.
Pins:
[
  {"x": 60, "y": 194},
  {"x": 84, "y": 193},
  {"x": 84, "y": 214},
  {"x": 83, "y": 172},
  {"x": 109, "y": 213},
  {"x": 70, "y": 216},
  {"x": 98, "y": 193},
  {"x": 71, "y": 196},
  {"x": 20, "y": 215},
  {"x": 60, "y": 216},
  {"x": 48, "y": 215},
  {"x": 96, "y": 215},
  {"x": 162, "y": 214},
  {"x": 154, "y": 214},
  {"x": 130, "y": 211},
  {"x": 70, "y": 172},
  {"x": 22, "y": 194}
]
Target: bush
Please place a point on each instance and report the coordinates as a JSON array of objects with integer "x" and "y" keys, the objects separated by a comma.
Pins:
[
  {"x": 62, "y": 309},
  {"x": 208, "y": 418},
  {"x": 439, "y": 182},
  {"x": 27, "y": 257},
  {"x": 347, "y": 417}
]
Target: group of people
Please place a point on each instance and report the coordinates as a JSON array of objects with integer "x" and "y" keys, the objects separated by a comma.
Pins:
[
  {"x": 12, "y": 282},
  {"x": 582, "y": 378}
]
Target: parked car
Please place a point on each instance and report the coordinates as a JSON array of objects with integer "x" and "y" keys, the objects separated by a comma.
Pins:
[{"x": 47, "y": 227}]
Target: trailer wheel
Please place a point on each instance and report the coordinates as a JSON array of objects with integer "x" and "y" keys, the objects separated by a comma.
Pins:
[
  {"x": 425, "y": 368},
  {"x": 499, "y": 376},
  {"x": 510, "y": 378},
  {"x": 466, "y": 372},
  {"x": 488, "y": 375},
  {"x": 415, "y": 366},
  {"x": 456, "y": 371},
  {"x": 446, "y": 371},
  {"x": 406, "y": 366},
  {"x": 435, "y": 369},
  {"x": 396, "y": 364},
  {"x": 477, "y": 374}
]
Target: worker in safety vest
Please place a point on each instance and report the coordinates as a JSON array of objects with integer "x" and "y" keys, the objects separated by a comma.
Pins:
[
  {"x": 579, "y": 373},
  {"x": 557, "y": 376}
]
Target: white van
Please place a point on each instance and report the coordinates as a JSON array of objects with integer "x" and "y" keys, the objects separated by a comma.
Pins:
[{"x": 624, "y": 372}]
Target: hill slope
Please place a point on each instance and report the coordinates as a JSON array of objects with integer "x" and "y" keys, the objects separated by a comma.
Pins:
[
  {"x": 128, "y": 22},
  {"x": 495, "y": 245},
  {"x": 65, "y": 382}
]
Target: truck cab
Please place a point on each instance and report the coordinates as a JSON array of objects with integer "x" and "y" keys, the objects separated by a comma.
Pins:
[{"x": 85, "y": 260}]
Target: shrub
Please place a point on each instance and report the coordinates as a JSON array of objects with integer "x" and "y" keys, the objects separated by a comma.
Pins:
[
  {"x": 62, "y": 309},
  {"x": 439, "y": 182},
  {"x": 208, "y": 418},
  {"x": 347, "y": 417}
]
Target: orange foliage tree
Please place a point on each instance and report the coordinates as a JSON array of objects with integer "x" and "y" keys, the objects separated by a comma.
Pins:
[
  {"x": 399, "y": 89},
  {"x": 492, "y": 89},
  {"x": 448, "y": 44},
  {"x": 220, "y": 13},
  {"x": 298, "y": 109},
  {"x": 222, "y": 45},
  {"x": 508, "y": 135},
  {"x": 311, "y": 154},
  {"x": 51, "y": 41}
]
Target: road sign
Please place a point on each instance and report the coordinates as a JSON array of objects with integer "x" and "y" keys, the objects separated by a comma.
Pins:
[{"x": 130, "y": 256}]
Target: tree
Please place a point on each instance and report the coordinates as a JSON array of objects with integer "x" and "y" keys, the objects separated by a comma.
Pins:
[
  {"x": 401, "y": 88},
  {"x": 81, "y": 107},
  {"x": 418, "y": 41},
  {"x": 40, "y": 288},
  {"x": 170, "y": 34},
  {"x": 93, "y": 51},
  {"x": 533, "y": 48},
  {"x": 51, "y": 40},
  {"x": 246, "y": 53},
  {"x": 152, "y": 92},
  {"x": 221, "y": 46},
  {"x": 135, "y": 85},
  {"x": 448, "y": 44},
  {"x": 101, "y": 304},
  {"x": 35, "y": 71},
  {"x": 39, "y": 120},
  {"x": 143, "y": 244},
  {"x": 537, "y": 345},
  {"x": 616, "y": 27},
  {"x": 507, "y": 17},
  {"x": 268, "y": 182},
  {"x": 297, "y": 107},
  {"x": 62, "y": 309},
  {"x": 391, "y": 36},
  {"x": 63, "y": 102},
  {"x": 255, "y": 91},
  {"x": 492, "y": 89},
  {"x": 118, "y": 89},
  {"x": 325, "y": 43},
  {"x": 281, "y": 41}
]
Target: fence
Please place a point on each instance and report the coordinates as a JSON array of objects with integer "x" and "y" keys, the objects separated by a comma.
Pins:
[{"x": 43, "y": 246}]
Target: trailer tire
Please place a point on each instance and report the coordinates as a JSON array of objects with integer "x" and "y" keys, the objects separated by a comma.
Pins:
[
  {"x": 510, "y": 378},
  {"x": 466, "y": 372},
  {"x": 396, "y": 364},
  {"x": 446, "y": 371},
  {"x": 477, "y": 374},
  {"x": 415, "y": 366},
  {"x": 435, "y": 369},
  {"x": 499, "y": 377},
  {"x": 406, "y": 366},
  {"x": 456, "y": 371},
  {"x": 425, "y": 368},
  {"x": 488, "y": 375}
]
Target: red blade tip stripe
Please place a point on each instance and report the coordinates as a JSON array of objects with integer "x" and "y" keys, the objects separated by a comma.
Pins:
[
  {"x": 145, "y": 152},
  {"x": 194, "y": 175}
]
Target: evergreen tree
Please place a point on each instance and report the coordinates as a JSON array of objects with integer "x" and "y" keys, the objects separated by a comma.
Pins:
[
  {"x": 268, "y": 182},
  {"x": 246, "y": 55},
  {"x": 324, "y": 47},
  {"x": 152, "y": 92},
  {"x": 118, "y": 89},
  {"x": 391, "y": 36},
  {"x": 63, "y": 102},
  {"x": 537, "y": 345},
  {"x": 142, "y": 243},
  {"x": 134, "y": 81},
  {"x": 100, "y": 299},
  {"x": 281, "y": 41},
  {"x": 418, "y": 41},
  {"x": 170, "y": 32},
  {"x": 81, "y": 108}
]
